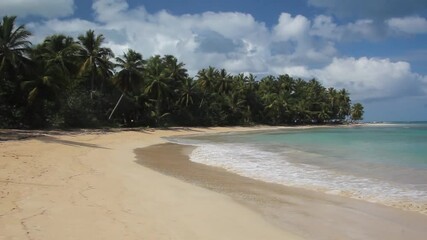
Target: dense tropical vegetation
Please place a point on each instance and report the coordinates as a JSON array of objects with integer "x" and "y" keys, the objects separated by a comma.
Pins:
[{"x": 63, "y": 82}]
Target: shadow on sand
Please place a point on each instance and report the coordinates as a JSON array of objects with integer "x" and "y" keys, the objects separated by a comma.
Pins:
[{"x": 51, "y": 139}]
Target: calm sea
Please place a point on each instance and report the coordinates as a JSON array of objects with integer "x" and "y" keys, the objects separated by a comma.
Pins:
[{"x": 378, "y": 163}]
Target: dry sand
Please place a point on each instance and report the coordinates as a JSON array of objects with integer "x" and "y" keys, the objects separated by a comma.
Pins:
[{"x": 88, "y": 186}]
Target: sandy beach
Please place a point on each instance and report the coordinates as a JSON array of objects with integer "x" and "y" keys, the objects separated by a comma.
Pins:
[
  {"x": 77, "y": 185},
  {"x": 123, "y": 185}
]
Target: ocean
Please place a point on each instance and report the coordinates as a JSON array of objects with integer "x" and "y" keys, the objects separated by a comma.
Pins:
[{"x": 385, "y": 163}]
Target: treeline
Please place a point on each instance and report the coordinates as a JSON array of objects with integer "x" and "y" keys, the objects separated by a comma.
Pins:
[{"x": 66, "y": 82}]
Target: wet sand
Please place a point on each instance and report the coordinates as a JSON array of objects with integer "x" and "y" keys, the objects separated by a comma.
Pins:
[{"x": 310, "y": 214}]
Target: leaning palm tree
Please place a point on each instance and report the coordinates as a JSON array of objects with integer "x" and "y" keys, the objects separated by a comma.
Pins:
[
  {"x": 95, "y": 58},
  {"x": 130, "y": 75}
]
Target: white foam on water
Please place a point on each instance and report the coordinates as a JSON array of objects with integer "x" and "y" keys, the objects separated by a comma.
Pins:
[{"x": 251, "y": 161}]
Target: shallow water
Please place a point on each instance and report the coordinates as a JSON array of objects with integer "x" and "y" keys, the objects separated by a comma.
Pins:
[{"x": 385, "y": 164}]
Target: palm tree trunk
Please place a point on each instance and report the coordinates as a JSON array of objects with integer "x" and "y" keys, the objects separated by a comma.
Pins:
[
  {"x": 115, "y": 107},
  {"x": 158, "y": 105},
  {"x": 92, "y": 85}
]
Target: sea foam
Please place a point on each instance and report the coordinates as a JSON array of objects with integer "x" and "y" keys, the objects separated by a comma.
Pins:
[{"x": 274, "y": 167}]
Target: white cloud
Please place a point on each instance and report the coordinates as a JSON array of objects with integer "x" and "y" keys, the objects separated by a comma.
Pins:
[
  {"x": 291, "y": 28},
  {"x": 377, "y": 9},
  {"x": 411, "y": 25},
  {"x": 293, "y": 43},
  {"x": 368, "y": 78},
  {"x": 324, "y": 26},
  {"x": 236, "y": 41},
  {"x": 225, "y": 39},
  {"x": 43, "y": 8},
  {"x": 70, "y": 27},
  {"x": 362, "y": 29}
]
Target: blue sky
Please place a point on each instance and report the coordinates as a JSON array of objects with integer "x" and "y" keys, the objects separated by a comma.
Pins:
[{"x": 377, "y": 49}]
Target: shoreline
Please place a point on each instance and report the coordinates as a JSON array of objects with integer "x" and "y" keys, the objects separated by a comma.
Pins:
[
  {"x": 88, "y": 186},
  {"x": 402, "y": 204},
  {"x": 305, "y": 212}
]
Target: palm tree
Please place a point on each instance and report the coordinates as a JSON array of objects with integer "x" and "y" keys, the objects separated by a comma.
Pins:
[
  {"x": 14, "y": 46},
  {"x": 177, "y": 75},
  {"x": 43, "y": 89},
  {"x": 301, "y": 112},
  {"x": 95, "y": 58},
  {"x": 235, "y": 108},
  {"x": 344, "y": 104},
  {"x": 14, "y": 50},
  {"x": 206, "y": 79},
  {"x": 332, "y": 96},
  {"x": 357, "y": 112},
  {"x": 130, "y": 75},
  {"x": 61, "y": 52},
  {"x": 176, "y": 69},
  {"x": 46, "y": 83},
  {"x": 187, "y": 92},
  {"x": 224, "y": 82},
  {"x": 157, "y": 87},
  {"x": 54, "y": 63}
]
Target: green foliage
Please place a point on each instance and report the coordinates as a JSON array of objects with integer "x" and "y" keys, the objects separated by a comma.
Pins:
[
  {"x": 357, "y": 112},
  {"x": 67, "y": 83},
  {"x": 14, "y": 49}
]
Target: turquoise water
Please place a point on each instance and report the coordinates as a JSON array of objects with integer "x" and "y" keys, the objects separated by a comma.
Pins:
[{"x": 378, "y": 163}]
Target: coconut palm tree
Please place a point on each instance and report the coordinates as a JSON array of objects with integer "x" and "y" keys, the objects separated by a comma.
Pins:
[
  {"x": 157, "y": 87},
  {"x": 46, "y": 83},
  {"x": 187, "y": 92},
  {"x": 206, "y": 80},
  {"x": 54, "y": 63},
  {"x": 224, "y": 82},
  {"x": 14, "y": 51},
  {"x": 177, "y": 72},
  {"x": 61, "y": 52},
  {"x": 177, "y": 75},
  {"x": 130, "y": 76},
  {"x": 95, "y": 58},
  {"x": 357, "y": 112},
  {"x": 344, "y": 104},
  {"x": 14, "y": 45}
]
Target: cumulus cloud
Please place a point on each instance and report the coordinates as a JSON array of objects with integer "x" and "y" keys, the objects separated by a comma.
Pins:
[
  {"x": 292, "y": 43},
  {"x": 224, "y": 39},
  {"x": 325, "y": 27},
  {"x": 368, "y": 78},
  {"x": 378, "y": 9},
  {"x": 410, "y": 25},
  {"x": 70, "y": 27},
  {"x": 236, "y": 41},
  {"x": 291, "y": 28},
  {"x": 42, "y": 8}
]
